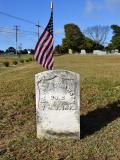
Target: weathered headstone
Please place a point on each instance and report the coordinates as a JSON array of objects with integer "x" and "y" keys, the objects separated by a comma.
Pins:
[
  {"x": 83, "y": 51},
  {"x": 70, "y": 51},
  {"x": 116, "y": 52},
  {"x": 99, "y": 52},
  {"x": 58, "y": 104}
]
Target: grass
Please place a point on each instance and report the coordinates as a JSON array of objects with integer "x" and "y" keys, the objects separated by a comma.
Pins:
[{"x": 100, "y": 111}]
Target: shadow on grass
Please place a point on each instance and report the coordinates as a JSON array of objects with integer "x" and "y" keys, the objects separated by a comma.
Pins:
[{"x": 99, "y": 118}]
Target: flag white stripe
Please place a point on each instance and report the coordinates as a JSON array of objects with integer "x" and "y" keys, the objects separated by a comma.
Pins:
[
  {"x": 49, "y": 66},
  {"x": 40, "y": 43},
  {"x": 45, "y": 45},
  {"x": 48, "y": 59},
  {"x": 45, "y": 54}
]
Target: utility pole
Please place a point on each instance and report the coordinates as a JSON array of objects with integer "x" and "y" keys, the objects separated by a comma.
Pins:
[
  {"x": 37, "y": 25},
  {"x": 16, "y": 29}
]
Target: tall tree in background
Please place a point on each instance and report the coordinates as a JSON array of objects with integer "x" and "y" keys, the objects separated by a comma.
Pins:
[
  {"x": 89, "y": 45},
  {"x": 74, "y": 38},
  {"x": 98, "y": 34},
  {"x": 11, "y": 49},
  {"x": 58, "y": 49},
  {"x": 115, "y": 42}
]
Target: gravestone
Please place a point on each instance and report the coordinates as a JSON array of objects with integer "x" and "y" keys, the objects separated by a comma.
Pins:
[
  {"x": 99, "y": 52},
  {"x": 58, "y": 104},
  {"x": 116, "y": 52},
  {"x": 70, "y": 51},
  {"x": 83, "y": 51}
]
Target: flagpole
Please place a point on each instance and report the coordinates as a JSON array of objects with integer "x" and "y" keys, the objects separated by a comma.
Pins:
[{"x": 51, "y": 5}]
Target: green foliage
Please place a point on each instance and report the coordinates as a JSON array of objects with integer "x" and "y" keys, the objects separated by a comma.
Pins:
[
  {"x": 65, "y": 46},
  {"x": 24, "y": 51},
  {"x": 74, "y": 38},
  {"x": 15, "y": 62},
  {"x": 11, "y": 49},
  {"x": 116, "y": 29},
  {"x": 89, "y": 45},
  {"x": 1, "y": 51},
  {"x": 27, "y": 60},
  {"x": 30, "y": 59},
  {"x": 6, "y": 64},
  {"x": 58, "y": 49},
  {"x": 115, "y": 42},
  {"x": 21, "y": 60}
]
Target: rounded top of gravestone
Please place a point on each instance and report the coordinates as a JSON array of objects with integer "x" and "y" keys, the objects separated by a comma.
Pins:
[{"x": 57, "y": 71}]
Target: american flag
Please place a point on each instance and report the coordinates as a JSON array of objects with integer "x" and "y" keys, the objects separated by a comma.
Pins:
[{"x": 43, "y": 52}]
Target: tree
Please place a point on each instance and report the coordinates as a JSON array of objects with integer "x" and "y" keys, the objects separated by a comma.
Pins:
[
  {"x": 1, "y": 51},
  {"x": 98, "y": 34},
  {"x": 115, "y": 42},
  {"x": 58, "y": 49},
  {"x": 116, "y": 29},
  {"x": 73, "y": 38},
  {"x": 24, "y": 51},
  {"x": 65, "y": 45},
  {"x": 89, "y": 45},
  {"x": 11, "y": 50}
]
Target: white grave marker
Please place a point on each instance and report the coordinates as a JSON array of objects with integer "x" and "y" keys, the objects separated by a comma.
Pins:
[
  {"x": 70, "y": 51},
  {"x": 58, "y": 104},
  {"x": 83, "y": 51}
]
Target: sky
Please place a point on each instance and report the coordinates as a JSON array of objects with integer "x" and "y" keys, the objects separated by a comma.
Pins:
[{"x": 84, "y": 13}]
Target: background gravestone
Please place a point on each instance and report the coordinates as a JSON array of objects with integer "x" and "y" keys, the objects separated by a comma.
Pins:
[
  {"x": 70, "y": 51},
  {"x": 83, "y": 51},
  {"x": 58, "y": 104}
]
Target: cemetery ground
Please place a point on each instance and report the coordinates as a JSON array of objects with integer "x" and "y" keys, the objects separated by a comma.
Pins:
[{"x": 100, "y": 111}]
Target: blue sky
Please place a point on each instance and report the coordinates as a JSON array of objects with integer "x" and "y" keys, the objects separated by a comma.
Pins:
[{"x": 84, "y": 13}]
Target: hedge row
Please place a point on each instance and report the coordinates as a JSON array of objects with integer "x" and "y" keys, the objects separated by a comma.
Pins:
[{"x": 15, "y": 62}]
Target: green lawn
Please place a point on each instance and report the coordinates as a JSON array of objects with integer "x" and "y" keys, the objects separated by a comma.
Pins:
[{"x": 100, "y": 111}]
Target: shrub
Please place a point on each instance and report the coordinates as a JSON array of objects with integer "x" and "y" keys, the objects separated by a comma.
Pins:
[
  {"x": 15, "y": 62},
  {"x": 27, "y": 60},
  {"x": 30, "y": 59},
  {"x": 6, "y": 64},
  {"x": 21, "y": 60}
]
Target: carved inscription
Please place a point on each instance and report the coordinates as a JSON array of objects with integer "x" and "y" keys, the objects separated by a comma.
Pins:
[
  {"x": 57, "y": 104},
  {"x": 56, "y": 96}
]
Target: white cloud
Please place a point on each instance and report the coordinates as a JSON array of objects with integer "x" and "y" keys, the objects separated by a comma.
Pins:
[
  {"x": 89, "y": 7},
  {"x": 59, "y": 31},
  {"x": 112, "y": 4},
  {"x": 93, "y": 6}
]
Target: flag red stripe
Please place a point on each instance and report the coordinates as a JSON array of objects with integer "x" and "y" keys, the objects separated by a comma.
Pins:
[
  {"x": 39, "y": 41},
  {"x": 48, "y": 59},
  {"x": 50, "y": 65},
  {"x": 47, "y": 51},
  {"x": 41, "y": 45},
  {"x": 47, "y": 56},
  {"x": 48, "y": 62},
  {"x": 44, "y": 49},
  {"x": 41, "y": 58}
]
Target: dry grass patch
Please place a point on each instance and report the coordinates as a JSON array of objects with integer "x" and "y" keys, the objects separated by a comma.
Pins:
[{"x": 100, "y": 111}]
